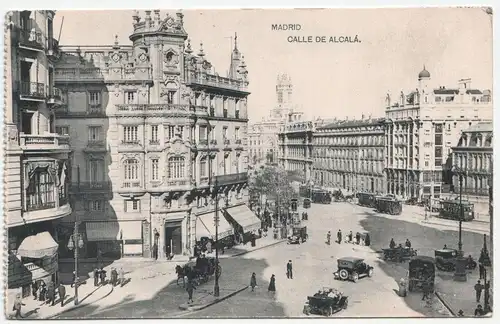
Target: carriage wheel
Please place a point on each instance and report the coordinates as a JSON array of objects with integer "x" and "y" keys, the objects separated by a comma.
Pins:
[
  {"x": 355, "y": 276},
  {"x": 370, "y": 272},
  {"x": 345, "y": 304},
  {"x": 329, "y": 311},
  {"x": 343, "y": 274}
]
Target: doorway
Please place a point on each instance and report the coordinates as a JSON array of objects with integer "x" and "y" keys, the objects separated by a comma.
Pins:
[{"x": 173, "y": 238}]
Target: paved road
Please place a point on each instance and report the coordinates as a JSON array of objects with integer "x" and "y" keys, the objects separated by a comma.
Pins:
[{"x": 314, "y": 263}]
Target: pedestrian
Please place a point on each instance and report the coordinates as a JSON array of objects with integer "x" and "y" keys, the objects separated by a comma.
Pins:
[
  {"x": 481, "y": 271},
  {"x": 349, "y": 236},
  {"x": 155, "y": 251},
  {"x": 62, "y": 293},
  {"x": 272, "y": 285},
  {"x": 99, "y": 258},
  {"x": 339, "y": 237},
  {"x": 392, "y": 244},
  {"x": 51, "y": 293},
  {"x": 408, "y": 243},
  {"x": 478, "y": 311},
  {"x": 358, "y": 238},
  {"x": 289, "y": 270},
  {"x": 253, "y": 281},
  {"x": 96, "y": 277},
  {"x": 34, "y": 289},
  {"x": 254, "y": 239},
  {"x": 479, "y": 289},
  {"x": 460, "y": 313},
  {"x": 190, "y": 288},
  {"x": 209, "y": 246},
  {"x": 18, "y": 303},
  {"x": 114, "y": 277},
  {"x": 43, "y": 291},
  {"x": 73, "y": 279},
  {"x": 102, "y": 274},
  {"x": 122, "y": 277},
  {"x": 445, "y": 247},
  {"x": 328, "y": 237},
  {"x": 487, "y": 293},
  {"x": 367, "y": 239}
]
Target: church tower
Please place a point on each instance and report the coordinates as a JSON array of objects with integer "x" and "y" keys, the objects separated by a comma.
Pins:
[{"x": 284, "y": 99}]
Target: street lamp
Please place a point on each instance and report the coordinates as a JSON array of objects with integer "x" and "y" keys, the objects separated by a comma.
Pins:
[
  {"x": 485, "y": 260},
  {"x": 460, "y": 267},
  {"x": 75, "y": 242}
]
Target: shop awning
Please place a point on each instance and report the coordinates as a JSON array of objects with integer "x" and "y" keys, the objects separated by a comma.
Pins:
[
  {"x": 205, "y": 226},
  {"x": 245, "y": 217},
  {"x": 38, "y": 246},
  {"x": 113, "y": 231}
]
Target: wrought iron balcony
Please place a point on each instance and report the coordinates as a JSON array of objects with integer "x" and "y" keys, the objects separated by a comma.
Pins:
[
  {"x": 55, "y": 96},
  {"x": 53, "y": 50},
  {"x": 202, "y": 142},
  {"x": 213, "y": 142},
  {"x": 32, "y": 90},
  {"x": 238, "y": 141},
  {"x": 227, "y": 142},
  {"x": 231, "y": 178},
  {"x": 90, "y": 186},
  {"x": 30, "y": 38},
  {"x": 32, "y": 142}
]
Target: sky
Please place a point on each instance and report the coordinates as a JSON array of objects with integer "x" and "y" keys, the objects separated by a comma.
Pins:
[{"x": 329, "y": 79}]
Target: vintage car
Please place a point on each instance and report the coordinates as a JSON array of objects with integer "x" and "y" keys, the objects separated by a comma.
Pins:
[
  {"x": 299, "y": 235},
  {"x": 446, "y": 260},
  {"x": 306, "y": 203},
  {"x": 398, "y": 254},
  {"x": 421, "y": 272},
  {"x": 325, "y": 302},
  {"x": 352, "y": 269}
]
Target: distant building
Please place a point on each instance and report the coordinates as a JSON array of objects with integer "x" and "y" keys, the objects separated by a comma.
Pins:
[
  {"x": 151, "y": 124},
  {"x": 263, "y": 135},
  {"x": 421, "y": 128},
  {"x": 350, "y": 155}
]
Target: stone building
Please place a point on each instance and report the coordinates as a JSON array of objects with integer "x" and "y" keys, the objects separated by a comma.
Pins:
[
  {"x": 421, "y": 128},
  {"x": 151, "y": 126},
  {"x": 350, "y": 155},
  {"x": 263, "y": 135},
  {"x": 36, "y": 158}
]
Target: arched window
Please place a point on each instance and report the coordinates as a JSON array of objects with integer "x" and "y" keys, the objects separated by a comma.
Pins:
[
  {"x": 176, "y": 167},
  {"x": 40, "y": 192},
  {"x": 131, "y": 170}
]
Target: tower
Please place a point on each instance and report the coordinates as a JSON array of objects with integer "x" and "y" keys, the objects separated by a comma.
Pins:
[{"x": 284, "y": 91}]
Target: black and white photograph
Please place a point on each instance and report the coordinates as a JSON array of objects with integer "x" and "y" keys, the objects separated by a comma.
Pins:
[{"x": 248, "y": 163}]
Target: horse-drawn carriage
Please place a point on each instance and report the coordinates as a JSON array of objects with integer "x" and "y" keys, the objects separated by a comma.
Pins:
[
  {"x": 398, "y": 254},
  {"x": 325, "y": 302},
  {"x": 199, "y": 272}
]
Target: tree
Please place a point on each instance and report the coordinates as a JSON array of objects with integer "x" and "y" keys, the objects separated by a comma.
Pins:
[
  {"x": 296, "y": 175},
  {"x": 273, "y": 183}
]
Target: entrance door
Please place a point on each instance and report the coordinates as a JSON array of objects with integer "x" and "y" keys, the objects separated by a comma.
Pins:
[{"x": 173, "y": 237}]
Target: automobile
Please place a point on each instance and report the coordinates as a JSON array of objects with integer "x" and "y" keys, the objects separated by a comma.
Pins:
[
  {"x": 421, "y": 272},
  {"x": 351, "y": 268},
  {"x": 398, "y": 254},
  {"x": 299, "y": 235},
  {"x": 306, "y": 203},
  {"x": 446, "y": 260},
  {"x": 325, "y": 302}
]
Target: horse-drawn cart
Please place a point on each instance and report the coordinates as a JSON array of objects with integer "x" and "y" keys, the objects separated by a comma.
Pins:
[{"x": 200, "y": 271}]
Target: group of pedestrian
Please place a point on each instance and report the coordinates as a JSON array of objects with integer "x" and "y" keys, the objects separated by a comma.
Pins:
[
  {"x": 47, "y": 293},
  {"x": 358, "y": 238},
  {"x": 116, "y": 277}
]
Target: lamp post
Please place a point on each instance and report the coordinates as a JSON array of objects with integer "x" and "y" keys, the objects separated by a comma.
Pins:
[
  {"x": 460, "y": 273},
  {"x": 216, "y": 194},
  {"x": 75, "y": 242},
  {"x": 485, "y": 260}
]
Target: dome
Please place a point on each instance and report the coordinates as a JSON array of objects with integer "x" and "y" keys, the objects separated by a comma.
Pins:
[{"x": 424, "y": 74}]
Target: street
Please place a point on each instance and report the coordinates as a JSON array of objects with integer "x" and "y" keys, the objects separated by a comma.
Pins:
[{"x": 313, "y": 265}]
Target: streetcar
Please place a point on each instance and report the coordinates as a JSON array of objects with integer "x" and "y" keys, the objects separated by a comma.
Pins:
[{"x": 450, "y": 209}]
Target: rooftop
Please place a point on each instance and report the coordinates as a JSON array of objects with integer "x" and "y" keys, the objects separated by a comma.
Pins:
[
  {"x": 352, "y": 123},
  {"x": 485, "y": 126}
]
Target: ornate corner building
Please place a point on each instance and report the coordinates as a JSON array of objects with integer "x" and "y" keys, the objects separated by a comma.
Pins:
[
  {"x": 36, "y": 157},
  {"x": 151, "y": 125},
  {"x": 421, "y": 129}
]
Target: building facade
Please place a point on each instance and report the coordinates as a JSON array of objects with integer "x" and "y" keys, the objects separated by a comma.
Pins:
[
  {"x": 473, "y": 160},
  {"x": 296, "y": 147},
  {"x": 151, "y": 126},
  {"x": 350, "y": 155},
  {"x": 263, "y": 135},
  {"x": 421, "y": 128},
  {"x": 36, "y": 157}
]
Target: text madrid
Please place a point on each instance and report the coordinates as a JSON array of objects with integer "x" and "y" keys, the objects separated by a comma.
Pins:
[{"x": 323, "y": 39}]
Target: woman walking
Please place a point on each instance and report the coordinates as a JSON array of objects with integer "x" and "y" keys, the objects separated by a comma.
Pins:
[
  {"x": 253, "y": 281},
  {"x": 272, "y": 285}
]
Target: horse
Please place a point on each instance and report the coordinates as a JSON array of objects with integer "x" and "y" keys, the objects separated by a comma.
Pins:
[{"x": 182, "y": 273}]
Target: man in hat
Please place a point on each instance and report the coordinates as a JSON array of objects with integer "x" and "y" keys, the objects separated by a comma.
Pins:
[{"x": 289, "y": 270}]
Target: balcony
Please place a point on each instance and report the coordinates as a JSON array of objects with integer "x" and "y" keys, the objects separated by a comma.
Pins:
[
  {"x": 38, "y": 212},
  {"x": 227, "y": 141},
  {"x": 178, "y": 185},
  {"x": 96, "y": 146},
  {"x": 32, "y": 91},
  {"x": 212, "y": 111},
  {"x": 30, "y": 38},
  {"x": 41, "y": 143},
  {"x": 90, "y": 187},
  {"x": 213, "y": 142},
  {"x": 238, "y": 141},
  {"x": 154, "y": 142},
  {"x": 91, "y": 75},
  {"x": 53, "y": 51},
  {"x": 199, "y": 110},
  {"x": 231, "y": 178},
  {"x": 55, "y": 96},
  {"x": 215, "y": 81},
  {"x": 152, "y": 109}
]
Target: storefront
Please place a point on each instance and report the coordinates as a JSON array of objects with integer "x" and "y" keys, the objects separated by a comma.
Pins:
[
  {"x": 243, "y": 219},
  {"x": 114, "y": 239},
  {"x": 205, "y": 226}
]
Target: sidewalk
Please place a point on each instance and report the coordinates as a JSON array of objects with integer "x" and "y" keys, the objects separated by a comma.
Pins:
[
  {"x": 35, "y": 309},
  {"x": 204, "y": 300},
  {"x": 260, "y": 243}
]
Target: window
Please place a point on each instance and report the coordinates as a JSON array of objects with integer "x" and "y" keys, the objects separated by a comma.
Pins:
[
  {"x": 130, "y": 97},
  {"x": 203, "y": 133},
  {"x": 130, "y": 134},
  {"x": 96, "y": 171},
  {"x": 40, "y": 192},
  {"x": 154, "y": 169},
  {"x": 176, "y": 167},
  {"x": 132, "y": 206},
  {"x": 154, "y": 133},
  {"x": 171, "y": 96},
  {"x": 181, "y": 131},
  {"x": 203, "y": 167},
  {"x": 236, "y": 133},
  {"x": 227, "y": 162},
  {"x": 94, "y": 134},
  {"x": 170, "y": 132},
  {"x": 131, "y": 170},
  {"x": 62, "y": 130},
  {"x": 95, "y": 206},
  {"x": 94, "y": 101},
  {"x": 224, "y": 132}
]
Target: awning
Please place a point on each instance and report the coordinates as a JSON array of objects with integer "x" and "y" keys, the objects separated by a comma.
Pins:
[
  {"x": 245, "y": 217},
  {"x": 113, "y": 231},
  {"x": 38, "y": 246},
  {"x": 205, "y": 226}
]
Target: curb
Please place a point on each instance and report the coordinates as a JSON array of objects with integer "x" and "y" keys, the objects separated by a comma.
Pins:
[
  {"x": 215, "y": 301},
  {"x": 463, "y": 227},
  {"x": 81, "y": 305},
  {"x": 445, "y": 304},
  {"x": 259, "y": 248}
]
